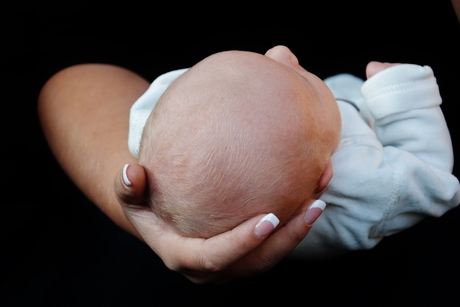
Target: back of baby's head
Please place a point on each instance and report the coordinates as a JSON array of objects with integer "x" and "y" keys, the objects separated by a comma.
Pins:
[{"x": 222, "y": 146}]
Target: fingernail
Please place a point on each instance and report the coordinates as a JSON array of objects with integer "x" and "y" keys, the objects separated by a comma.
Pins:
[
  {"x": 266, "y": 225},
  {"x": 314, "y": 211},
  {"x": 125, "y": 176}
]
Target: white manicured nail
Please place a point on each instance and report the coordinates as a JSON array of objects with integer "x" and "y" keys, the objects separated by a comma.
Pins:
[
  {"x": 266, "y": 225},
  {"x": 314, "y": 211},
  {"x": 125, "y": 176}
]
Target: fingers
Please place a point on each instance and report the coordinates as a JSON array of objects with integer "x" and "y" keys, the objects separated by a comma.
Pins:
[
  {"x": 283, "y": 55},
  {"x": 232, "y": 245},
  {"x": 218, "y": 252},
  {"x": 241, "y": 253},
  {"x": 253, "y": 247},
  {"x": 279, "y": 244},
  {"x": 198, "y": 259},
  {"x": 180, "y": 253},
  {"x": 131, "y": 186},
  {"x": 374, "y": 67}
]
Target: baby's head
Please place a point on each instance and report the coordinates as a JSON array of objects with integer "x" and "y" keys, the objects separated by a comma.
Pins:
[{"x": 238, "y": 134}]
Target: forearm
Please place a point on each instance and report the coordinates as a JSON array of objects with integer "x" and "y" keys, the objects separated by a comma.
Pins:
[{"x": 84, "y": 114}]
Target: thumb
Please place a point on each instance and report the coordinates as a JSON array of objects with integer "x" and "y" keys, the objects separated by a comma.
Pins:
[{"x": 131, "y": 187}]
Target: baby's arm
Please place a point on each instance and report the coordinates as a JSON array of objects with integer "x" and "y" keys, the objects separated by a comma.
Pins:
[
  {"x": 404, "y": 102},
  {"x": 388, "y": 179}
]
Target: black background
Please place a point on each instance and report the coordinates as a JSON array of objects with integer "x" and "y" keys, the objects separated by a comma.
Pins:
[{"x": 59, "y": 250}]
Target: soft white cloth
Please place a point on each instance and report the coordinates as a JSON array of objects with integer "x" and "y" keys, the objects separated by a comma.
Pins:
[
  {"x": 144, "y": 105},
  {"x": 393, "y": 166}
]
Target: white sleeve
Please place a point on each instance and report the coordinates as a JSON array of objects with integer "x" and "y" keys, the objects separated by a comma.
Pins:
[
  {"x": 390, "y": 181},
  {"x": 404, "y": 101},
  {"x": 143, "y": 106}
]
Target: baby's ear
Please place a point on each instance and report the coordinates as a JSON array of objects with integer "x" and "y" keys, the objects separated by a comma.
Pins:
[{"x": 324, "y": 180}]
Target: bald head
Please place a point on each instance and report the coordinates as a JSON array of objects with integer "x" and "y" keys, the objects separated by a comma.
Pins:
[{"x": 234, "y": 136}]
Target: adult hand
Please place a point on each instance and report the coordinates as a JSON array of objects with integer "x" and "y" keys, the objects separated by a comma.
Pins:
[{"x": 244, "y": 251}]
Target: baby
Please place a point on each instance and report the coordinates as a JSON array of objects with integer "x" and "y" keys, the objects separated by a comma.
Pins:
[
  {"x": 237, "y": 135},
  {"x": 241, "y": 133}
]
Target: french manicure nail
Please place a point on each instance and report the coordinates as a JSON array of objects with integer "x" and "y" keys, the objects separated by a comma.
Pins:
[
  {"x": 314, "y": 211},
  {"x": 266, "y": 225},
  {"x": 125, "y": 176}
]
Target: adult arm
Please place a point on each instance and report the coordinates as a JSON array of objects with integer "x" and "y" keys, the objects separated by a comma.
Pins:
[{"x": 84, "y": 112}]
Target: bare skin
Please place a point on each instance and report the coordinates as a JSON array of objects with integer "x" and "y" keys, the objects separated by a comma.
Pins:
[
  {"x": 456, "y": 6},
  {"x": 85, "y": 106},
  {"x": 237, "y": 135},
  {"x": 81, "y": 108}
]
